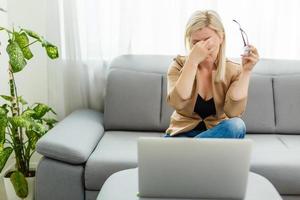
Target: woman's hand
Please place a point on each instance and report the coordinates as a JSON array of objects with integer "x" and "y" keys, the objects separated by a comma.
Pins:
[
  {"x": 249, "y": 61},
  {"x": 200, "y": 51}
]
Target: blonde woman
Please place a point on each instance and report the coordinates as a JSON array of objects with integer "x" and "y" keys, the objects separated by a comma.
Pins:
[{"x": 207, "y": 91}]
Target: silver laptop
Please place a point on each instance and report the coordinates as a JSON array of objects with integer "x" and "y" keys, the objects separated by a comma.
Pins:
[{"x": 193, "y": 168}]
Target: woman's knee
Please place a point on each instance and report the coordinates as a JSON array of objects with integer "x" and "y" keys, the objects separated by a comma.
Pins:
[{"x": 235, "y": 126}]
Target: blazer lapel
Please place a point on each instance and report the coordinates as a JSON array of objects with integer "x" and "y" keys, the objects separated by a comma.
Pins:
[{"x": 216, "y": 94}]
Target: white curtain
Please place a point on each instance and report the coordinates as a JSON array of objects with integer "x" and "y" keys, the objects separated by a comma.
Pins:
[
  {"x": 75, "y": 81},
  {"x": 92, "y": 32}
]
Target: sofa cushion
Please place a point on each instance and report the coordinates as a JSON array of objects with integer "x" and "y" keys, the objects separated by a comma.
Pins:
[
  {"x": 277, "y": 67},
  {"x": 132, "y": 100},
  {"x": 259, "y": 114},
  {"x": 166, "y": 110},
  {"x": 290, "y": 141},
  {"x": 274, "y": 156},
  {"x": 116, "y": 151},
  {"x": 277, "y": 158},
  {"x": 266, "y": 142},
  {"x": 287, "y": 104}
]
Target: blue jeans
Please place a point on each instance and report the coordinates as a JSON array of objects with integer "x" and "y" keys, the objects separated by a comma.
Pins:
[{"x": 229, "y": 128}]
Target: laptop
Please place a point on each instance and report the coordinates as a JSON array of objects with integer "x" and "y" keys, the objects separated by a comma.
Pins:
[{"x": 193, "y": 168}]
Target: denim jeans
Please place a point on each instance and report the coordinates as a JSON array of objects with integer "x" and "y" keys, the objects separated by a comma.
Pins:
[{"x": 229, "y": 128}]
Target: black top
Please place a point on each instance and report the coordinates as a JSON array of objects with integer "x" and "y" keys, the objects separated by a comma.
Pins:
[{"x": 204, "y": 109}]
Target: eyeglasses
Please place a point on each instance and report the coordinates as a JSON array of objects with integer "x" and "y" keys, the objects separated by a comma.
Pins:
[{"x": 243, "y": 33}]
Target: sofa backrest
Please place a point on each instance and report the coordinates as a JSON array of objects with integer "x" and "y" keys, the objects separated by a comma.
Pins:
[
  {"x": 137, "y": 86},
  {"x": 134, "y": 93}
]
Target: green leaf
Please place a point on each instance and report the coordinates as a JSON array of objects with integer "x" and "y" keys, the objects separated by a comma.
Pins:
[
  {"x": 3, "y": 110},
  {"x": 40, "y": 110},
  {"x": 50, "y": 122},
  {"x": 39, "y": 128},
  {"x": 51, "y": 50},
  {"x": 53, "y": 111},
  {"x": 22, "y": 101},
  {"x": 16, "y": 57},
  {"x": 21, "y": 121},
  {"x": 7, "y": 98},
  {"x": 23, "y": 42},
  {"x": 33, "y": 138},
  {"x": 33, "y": 34},
  {"x": 3, "y": 124},
  {"x": 20, "y": 184},
  {"x": 4, "y": 155},
  {"x": 28, "y": 113},
  {"x": 10, "y": 99}
]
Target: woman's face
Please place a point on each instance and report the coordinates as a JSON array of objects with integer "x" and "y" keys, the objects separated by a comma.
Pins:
[{"x": 214, "y": 41}]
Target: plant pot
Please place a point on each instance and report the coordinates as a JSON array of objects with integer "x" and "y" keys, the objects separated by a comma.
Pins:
[{"x": 9, "y": 189}]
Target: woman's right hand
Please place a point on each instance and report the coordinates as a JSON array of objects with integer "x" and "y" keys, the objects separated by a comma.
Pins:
[{"x": 200, "y": 51}]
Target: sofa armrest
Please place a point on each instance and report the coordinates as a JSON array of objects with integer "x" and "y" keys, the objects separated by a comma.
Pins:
[{"x": 73, "y": 139}]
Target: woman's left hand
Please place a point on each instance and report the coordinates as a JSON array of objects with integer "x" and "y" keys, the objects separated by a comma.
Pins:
[{"x": 251, "y": 59}]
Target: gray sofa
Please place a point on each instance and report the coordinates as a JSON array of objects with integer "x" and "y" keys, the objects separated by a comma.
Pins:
[{"x": 85, "y": 148}]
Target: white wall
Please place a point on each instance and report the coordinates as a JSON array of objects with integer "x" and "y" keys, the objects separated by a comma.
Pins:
[
  {"x": 32, "y": 81},
  {"x": 3, "y": 56}
]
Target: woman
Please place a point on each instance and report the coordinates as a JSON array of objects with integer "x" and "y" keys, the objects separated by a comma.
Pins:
[{"x": 207, "y": 91}]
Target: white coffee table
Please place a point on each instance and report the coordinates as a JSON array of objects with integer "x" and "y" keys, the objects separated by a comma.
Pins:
[{"x": 123, "y": 185}]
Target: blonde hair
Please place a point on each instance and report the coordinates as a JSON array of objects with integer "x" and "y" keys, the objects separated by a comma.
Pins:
[{"x": 211, "y": 19}]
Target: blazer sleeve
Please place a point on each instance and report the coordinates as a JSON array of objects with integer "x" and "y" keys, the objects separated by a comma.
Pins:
[
  {"x": 173, "y": 97},
  {"x": 232, "y": 107}
]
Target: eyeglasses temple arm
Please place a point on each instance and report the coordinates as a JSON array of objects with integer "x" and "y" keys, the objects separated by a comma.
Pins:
[{"x": 245, "y": 44}]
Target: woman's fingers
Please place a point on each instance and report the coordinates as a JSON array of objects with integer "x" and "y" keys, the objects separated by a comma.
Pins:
[
  {"x": 250, "y": 59},
  {"x": 252, "y": 52},
  {"x": 253, "y": 49},
  {"x": 211, "y": 50},
  {"x": 253, "y": 55},
  {"x": 206, "y": 44},
  {"x": 250, "y": 55}
]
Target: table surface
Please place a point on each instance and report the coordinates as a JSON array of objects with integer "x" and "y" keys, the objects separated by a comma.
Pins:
[{"x": 123, "y": 185}]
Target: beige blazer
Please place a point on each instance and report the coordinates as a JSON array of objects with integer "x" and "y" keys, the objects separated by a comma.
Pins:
[{"x": 184, "y": 118}]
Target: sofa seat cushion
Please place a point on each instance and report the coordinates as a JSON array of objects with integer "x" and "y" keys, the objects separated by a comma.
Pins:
[
  {"x": 117, "y": 150},
  {"x": 277, "y": 157}
]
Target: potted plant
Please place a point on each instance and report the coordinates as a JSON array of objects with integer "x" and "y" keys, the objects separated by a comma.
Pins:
[{"x": 21, "y": 124}]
